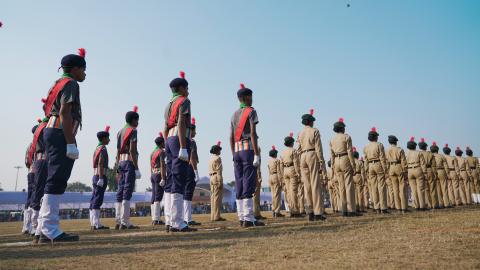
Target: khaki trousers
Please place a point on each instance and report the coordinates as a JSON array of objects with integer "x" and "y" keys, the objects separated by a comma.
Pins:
[
  {"x": 376, "y": 177},
  {"x": 417, "y": 183},
  {"x": 346, "y": 186},
  {"x": 216, "y": 190},
  {"x": 397, "y": 179},
  {"x": 312, "y": 183}
]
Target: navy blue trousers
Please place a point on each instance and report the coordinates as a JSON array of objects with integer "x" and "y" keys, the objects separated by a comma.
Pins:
[
  {"x": 40, "y": 168},
  {"x": 157, "y": 190},
  {"x": 245, "y": 174},
  {"x": 126, "y": 184},
  {"x": 98, "y": 192},
  {"x": 30, "y": 188},
  {"x": 59, "y": 165},
  {"x": 191, "y": 184},
  {"x": 176, "y": 168}
]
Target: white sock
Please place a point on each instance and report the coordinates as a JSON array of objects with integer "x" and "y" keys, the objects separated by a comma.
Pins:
[
  {"x": 240, "y": 209},
  {"x": 125, "y": 217},
  {"x": 248, "y": 210},
  {"x": 96, "y": 220},
  {"x": 187, "y": 211},
  {"x": 177, "y": 211},
  {"x": 118, "y": 213},
  {"x": 90, "y": 212},
  {"x": 49, "y": 219},
  {"x": 152, "y": 210},
  {"x": 158, "y": 210},
  {"x": 27, "y": 220},
  {"x": 34, "y": 221},
  {"x": 166, "y": 207}
]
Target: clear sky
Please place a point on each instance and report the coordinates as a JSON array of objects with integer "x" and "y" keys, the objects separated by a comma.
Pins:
[{"x": 410, "y": 68}]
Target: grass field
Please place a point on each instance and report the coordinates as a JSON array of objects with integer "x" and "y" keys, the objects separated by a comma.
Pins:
[{"x": 443, "y": 239}]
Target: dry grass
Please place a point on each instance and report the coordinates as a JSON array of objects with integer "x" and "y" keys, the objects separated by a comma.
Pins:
[{"x": 441, "y": 239}]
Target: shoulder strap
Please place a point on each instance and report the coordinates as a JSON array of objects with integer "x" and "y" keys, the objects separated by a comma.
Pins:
[
  {"x": 174, "y": 111},
  {"x": 52, "y": 95},
  {"x": 242, "y": 122},
  {"x": 36, "y": 137},
  {"x": 126, "y": 137},
  {"x": 97, "y": 156},
  {"x": 154, "y": 157}
]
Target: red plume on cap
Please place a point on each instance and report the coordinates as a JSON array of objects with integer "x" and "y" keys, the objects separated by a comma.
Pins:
[
  {"x": 422, "y": 140},
  {"x": 160, "y": 134},
  {"x": 107, "y": 129},
  {"x": 182, "y": 74},
  {"x": 135, "y": 108},
  {"x": 273, "y": 147},
  {"x": 412, "y": 139},
  {"x": 434, "y": 143},
  {"x": 291, "y": 134},
  {"x": 193, "y": 121},
  {"x": 242, "y": 86},
  {"x": 354, "y": 149},
  {"x": 446, "y": 145},
  {"x": 39, "y": 120},
  {"x": 44, "y": 100},
  {"x": 340, "y": 120},
  {"x": 374, "y": 129},
  {"x": 219, "y": 143},
  {"x": 311, "y": 111},
  {"x": 82, "y": 52}
]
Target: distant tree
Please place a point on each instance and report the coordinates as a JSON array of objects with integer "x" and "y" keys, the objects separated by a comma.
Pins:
[
  {"x": 78, "y": 187},
  {"x": 112, "y": 179}
]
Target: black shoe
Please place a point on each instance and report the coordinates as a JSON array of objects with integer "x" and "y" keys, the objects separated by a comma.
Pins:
[
  {"x": 186, "y": 229},
  {"x": 278, "y": 215},
  {"x": 378, "y": 211},
  {"x": 385, "y": 211},
  {"x": 117, "y": 227},
  {"x": 129, "y": 227},
  {"x": 247, "y": 224},
  {"x": 103, "y": 228},
  {"x": 157, "y": 223},
  {"x": 26, "y": 233},
  {"x": 167, "y": 228},
  {"x": 219, "y": 219},
  {"x": 36, "y": 239},
  {"x": 311, "y": 217},
  {"x": 259, "y": 217},
  {"x": 194, "y": 223},
  {"x": 92, "y": 228},
  {"x": 355, "y": 214},
  {"x": 344, "y": 214},
  {"x": 241, "y": 223},
  {"x": 319, "y": 218}
]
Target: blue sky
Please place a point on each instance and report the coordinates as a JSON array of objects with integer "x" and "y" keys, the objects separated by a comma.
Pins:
[{"x": 410, "y": 68}]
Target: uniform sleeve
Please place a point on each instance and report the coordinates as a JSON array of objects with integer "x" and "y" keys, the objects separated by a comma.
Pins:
[
  {"x": 133, "y": 136},
  {"x": 434, "y": 165},
  {"x": 332, "y": 155},
  {"x": 185, "y": 108},
  {"x": 383, "y": 160},
  {"x": 423, "y": 163},
  {"x": 296, "y": 161},
  {"x": 279, "y": 170},
  {"x": 445, "y": 164},
  {"x": 319, "y": 150},
  {"x": 403, "y": 161},
  {"x": 362, "y": 170},
  {"x": 350, "y": 151},
  {"x": 253, "y": 117},
  {"x": 70, "y": 93}
]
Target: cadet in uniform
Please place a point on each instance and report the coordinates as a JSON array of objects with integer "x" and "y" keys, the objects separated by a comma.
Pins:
[
  {"x": 376, "y": 170},
  {"x": 215, "y": 170},
  {"x": 192, "y": 178},
  {"x": 63, "y": 108},
  {"x": 442, "y": 174},
  {"x": 454, "y": 176},
  {"x": 246, "y": 157},
  {"x": 100, "y": 181},
  {"x": 38, "y": 157},
  {"x": 178, "y": 148},
  {"x": 343, "y": 164},
  {"x": 472, "y": 164},
  {"x": 275, "y": 180},
  {"x": 416, "y": 174},
  {"x": 359, "y": 179},
  {"x": 291, "y": 175},
  {"x": 398, "y": 171},
  {"x": 313, "y": 167},
  {"x": 465, "y": 175},
  {"x": 430, "y": 175},
  {"x": 127, "y": 160},
  {"x": 159, "y": 174}
]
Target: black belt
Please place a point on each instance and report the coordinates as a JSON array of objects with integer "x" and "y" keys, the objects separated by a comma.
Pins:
[
  {"x": 309, "y": 150},
  {"x": 286, "y": 166},
  {"x": 374, "y": 161},
  {"x": 428, "y": 167},
  {"x": 340, "y": 155},
  {"x": 358, "y": 172},
  {"x": 394, "y": 162},
  {"x": 438, "y": 168},
  {"x": 413, "y": 167},
  {"x": 472, "y": 168},
  {"x": 212, "y": 174},
  {"x": 452, "y": 170}
]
